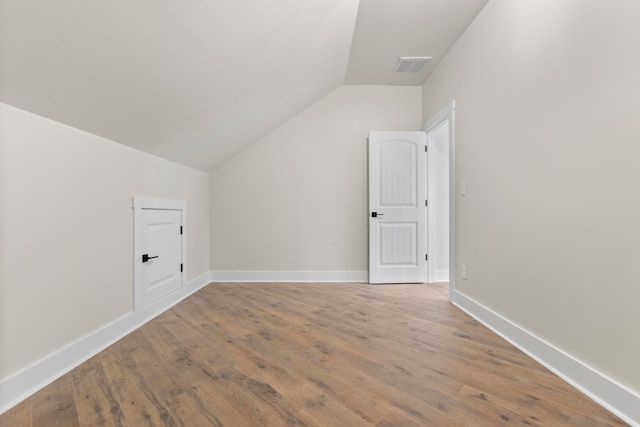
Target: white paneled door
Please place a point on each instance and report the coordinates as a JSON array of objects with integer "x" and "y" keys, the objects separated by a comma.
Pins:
[
  {"x": 397, "y": 207},
  {"x": 160, "y": 254}
]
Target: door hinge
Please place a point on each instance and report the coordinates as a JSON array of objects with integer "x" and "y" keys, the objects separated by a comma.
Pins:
[
  {"x": 426, "y": 257},
  {"x": 181, "y": 268},
  {"x": 425, "y": 148},
  {"x": 180, "y": 229},
  {"x": 426, "y": 203}
]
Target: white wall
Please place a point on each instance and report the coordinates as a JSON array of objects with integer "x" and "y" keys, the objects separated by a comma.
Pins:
[
  {"x": 547, "y": 139},
  {"x": 296, "y": 200},
  {"x": 66, "y": 231}
]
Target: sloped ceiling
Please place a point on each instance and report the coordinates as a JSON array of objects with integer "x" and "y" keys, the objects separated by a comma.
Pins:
[
  {"x": 197, "y": 81},
  {"x": 386, "y": 30}
]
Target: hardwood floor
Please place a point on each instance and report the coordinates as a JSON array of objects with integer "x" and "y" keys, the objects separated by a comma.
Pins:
[{"x": 311, "y": 355}]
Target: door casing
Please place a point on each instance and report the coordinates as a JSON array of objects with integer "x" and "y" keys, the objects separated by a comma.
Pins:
[{"x": 447, "y": 114}]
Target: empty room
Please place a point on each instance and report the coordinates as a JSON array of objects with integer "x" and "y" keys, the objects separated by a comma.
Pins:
[{"x": 319, "y": 213}]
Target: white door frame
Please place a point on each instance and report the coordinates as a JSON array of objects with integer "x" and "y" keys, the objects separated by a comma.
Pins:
[
  {"x": 138, "y": 204},
  {"x": 447, "y": 113}
]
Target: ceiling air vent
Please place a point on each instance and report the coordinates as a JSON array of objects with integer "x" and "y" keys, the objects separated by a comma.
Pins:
[{"x": 411, "y": 64}]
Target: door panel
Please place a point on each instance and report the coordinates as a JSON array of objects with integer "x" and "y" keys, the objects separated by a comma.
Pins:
[
  {"x": 397, "y": 177},
  {"x": 397, "y": 212},
  {"x": 162, "y": 242},
  {"x": 398, "y": 243}
]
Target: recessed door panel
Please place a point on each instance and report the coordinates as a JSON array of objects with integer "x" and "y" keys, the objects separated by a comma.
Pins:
[
  {"x": 398, "y": 245},
  {"x": 398, "y": 174}
]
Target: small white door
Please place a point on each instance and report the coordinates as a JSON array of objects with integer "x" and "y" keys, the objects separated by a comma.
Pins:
[
  {"x": 160, "y": 255},
  {"x": 397, "y": 207}
]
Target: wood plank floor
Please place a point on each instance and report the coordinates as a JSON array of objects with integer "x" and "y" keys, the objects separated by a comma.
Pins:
[{"x": 311, "y": 355}]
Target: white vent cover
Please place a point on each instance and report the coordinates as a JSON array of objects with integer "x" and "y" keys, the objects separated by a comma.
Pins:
[{"x": 411, "y": 64}]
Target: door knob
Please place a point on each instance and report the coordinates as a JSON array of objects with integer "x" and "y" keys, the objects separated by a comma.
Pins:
[{"x": 146, "y": 257}]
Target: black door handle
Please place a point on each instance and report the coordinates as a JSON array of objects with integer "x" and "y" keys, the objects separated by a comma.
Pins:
[
  {"x": 146, "y": 257},
  {"x": 376, "y": 214}
]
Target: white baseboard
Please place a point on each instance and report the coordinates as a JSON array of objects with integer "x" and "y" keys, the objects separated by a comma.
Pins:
[
  {"x": 23, "y": 384},
  {"x": 608, "y": 393},
  {"x": 290, "y": 276},
  {"x": 613, "y": 396}
]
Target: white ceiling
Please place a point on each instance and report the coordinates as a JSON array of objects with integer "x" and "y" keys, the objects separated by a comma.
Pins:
[
  {"x": 197, "y": 81},
  {"x": 388, "y": 29}
]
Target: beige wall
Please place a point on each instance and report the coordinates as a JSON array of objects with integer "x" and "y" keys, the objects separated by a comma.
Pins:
[
  {"x": 547, "y": 139},
  {"x": 296, "y": 200},
  {"x": 66, "y": 231}
]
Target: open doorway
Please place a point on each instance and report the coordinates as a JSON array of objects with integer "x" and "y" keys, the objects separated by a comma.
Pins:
[
  {"x": 411, "y": 203},
  {"x": 441, "y": 198}
]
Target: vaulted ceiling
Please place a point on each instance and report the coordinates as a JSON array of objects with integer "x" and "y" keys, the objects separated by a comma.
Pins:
[{"x": 197, "y": 81}]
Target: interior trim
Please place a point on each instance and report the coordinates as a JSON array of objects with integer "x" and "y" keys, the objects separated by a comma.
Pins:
[
  {"x": 613, "y": 396},
  {"x": 23, "y": 384},
  {"x": 289, "y": 276}
]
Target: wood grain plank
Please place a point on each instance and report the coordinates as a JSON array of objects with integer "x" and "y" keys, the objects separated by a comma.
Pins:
[
  {"x": 311, "y": 354},
  {"x": 55, "y": 406},
  {"x": 19, "y": 415},
  {"x": 95, "y": 402}
]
